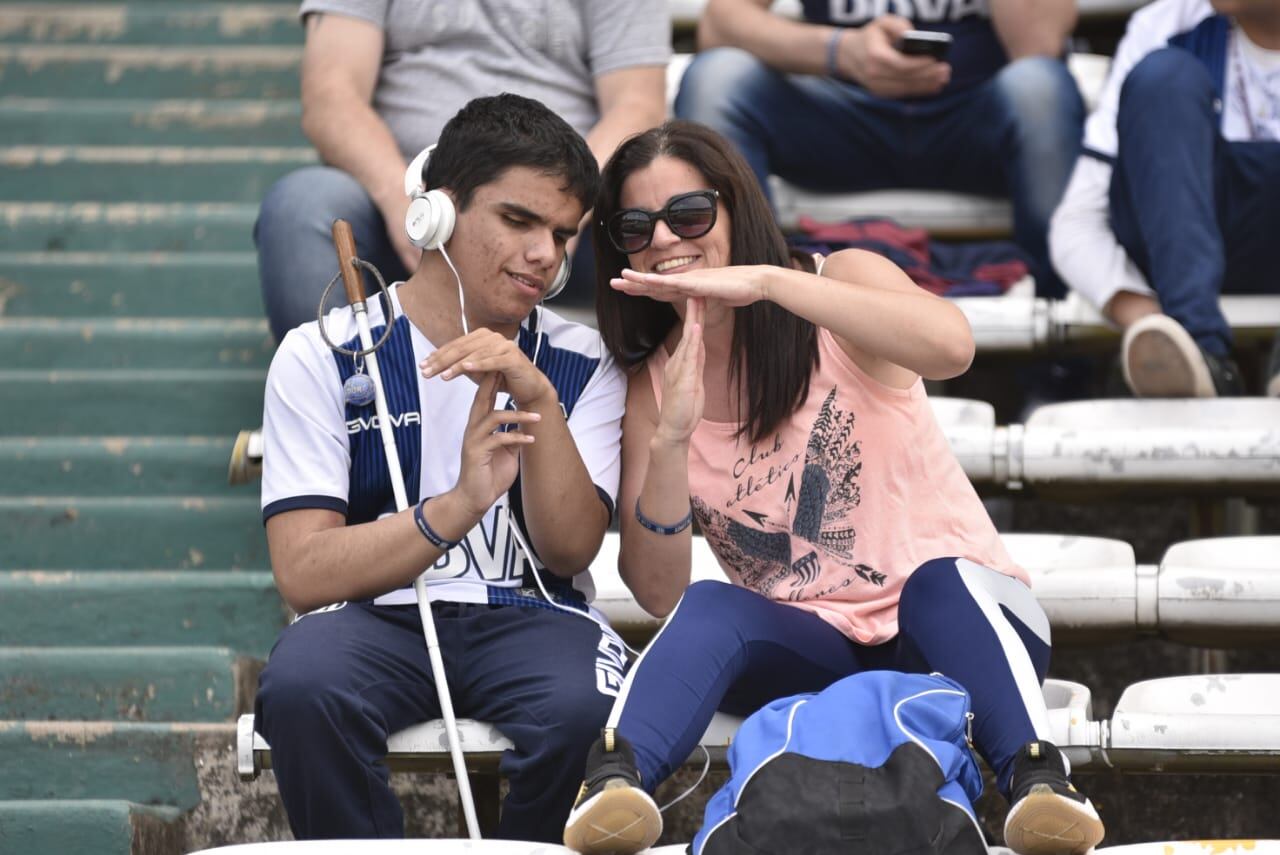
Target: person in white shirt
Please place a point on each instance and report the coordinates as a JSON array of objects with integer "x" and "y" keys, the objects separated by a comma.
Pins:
[
  {"x": 1176, "y": 196},
  {"x": 508, "y": 438}
]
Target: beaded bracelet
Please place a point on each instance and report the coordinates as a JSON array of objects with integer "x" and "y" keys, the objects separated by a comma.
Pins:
[
  {"x": 427, "y": 531},
  {"x": 659, "y": 528},
  {"x": 833, "y": 48}
]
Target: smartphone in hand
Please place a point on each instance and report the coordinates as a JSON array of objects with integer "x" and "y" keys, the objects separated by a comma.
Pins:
[{"x": 924, "y": 43}]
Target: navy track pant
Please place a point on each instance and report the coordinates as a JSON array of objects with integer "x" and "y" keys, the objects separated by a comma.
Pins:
[
  {"x": 725, "y": 647},
  {"x": 340, "y": 681}
]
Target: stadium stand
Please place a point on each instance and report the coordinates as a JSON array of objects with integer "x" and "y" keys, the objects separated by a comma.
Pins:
[{"x": 136, "y": 601}]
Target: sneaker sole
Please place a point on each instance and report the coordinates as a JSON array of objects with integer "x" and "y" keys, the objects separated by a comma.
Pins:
[
  {"x": 619, "y": 820},
  {"x": 1161, "y": 360},
  {"x": 1045, "y": 823},
  {"x": 242, "y": 469}
]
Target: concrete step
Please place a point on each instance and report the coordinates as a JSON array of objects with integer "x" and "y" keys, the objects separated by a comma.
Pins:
[
  {"x": 127, "y": 71},
  {"x": 93, "y": 466},
  {"x": 127, "y": 226},
  {"x": 138, "y": 762},
  {"x": 124, "y": 284},
  {"x": 147, "y": 173},
  {"x": 130, "y": 403},
  {"x": 144, "y": 24},
  {"x": 74, "y": 121},
  {"x": 74, "y": 533},
  {"x": 100, "y": 826},
  {"x": 120, "y": 683},
  {"x": 175, "y": 344},
  {"x": 129, "y": 608}
]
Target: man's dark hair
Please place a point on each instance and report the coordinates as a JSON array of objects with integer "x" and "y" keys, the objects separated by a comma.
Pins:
[
  {"x": 490, "y": 135},
  {"x": 774, "y": 349}
]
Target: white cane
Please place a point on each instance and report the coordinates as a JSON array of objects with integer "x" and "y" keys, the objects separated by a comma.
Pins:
[{"x": 348, "y": 262}]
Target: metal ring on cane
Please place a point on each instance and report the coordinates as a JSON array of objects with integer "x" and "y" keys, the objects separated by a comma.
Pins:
[{"x": 355, "y": 262}]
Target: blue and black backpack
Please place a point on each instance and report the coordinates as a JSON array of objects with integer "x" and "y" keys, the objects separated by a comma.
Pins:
[{"x": 877, "y": 763}]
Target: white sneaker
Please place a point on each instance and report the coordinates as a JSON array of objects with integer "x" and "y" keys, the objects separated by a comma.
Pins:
[{"x": 1161, "y": 360}]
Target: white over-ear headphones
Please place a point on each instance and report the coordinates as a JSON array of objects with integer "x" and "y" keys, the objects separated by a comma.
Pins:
[{"x": 431, "y": 216}]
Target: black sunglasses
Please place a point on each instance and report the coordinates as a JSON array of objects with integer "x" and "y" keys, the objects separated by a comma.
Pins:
[{"x": 689, "y": 215}]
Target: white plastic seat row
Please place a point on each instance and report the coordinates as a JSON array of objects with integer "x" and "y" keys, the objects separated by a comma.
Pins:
[
  {"x": 1212, "y": 723},
  {"x": 1216, "y": 591},
  {"x": 1225, "y": 445},
  {"x": 1018, "y": 323},
  {"x": 423, "y": 747},
  {"x": 1021, "y": 323},
  {"x": 1222, "y": 722}
]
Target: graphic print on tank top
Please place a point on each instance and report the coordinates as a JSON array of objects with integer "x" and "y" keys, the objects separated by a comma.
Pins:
[{"x": 782, "y": 558}]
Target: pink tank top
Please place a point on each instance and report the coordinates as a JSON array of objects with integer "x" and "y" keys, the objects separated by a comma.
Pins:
[{"x": 853, "y": 492}]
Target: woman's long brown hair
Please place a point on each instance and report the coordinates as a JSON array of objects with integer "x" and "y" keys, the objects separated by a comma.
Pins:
[{"x": 774, "y": 350}]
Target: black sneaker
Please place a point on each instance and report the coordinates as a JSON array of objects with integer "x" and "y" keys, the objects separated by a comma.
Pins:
[
  {"x": 1048, "y": 816},
  {"x": 1273, "y": 369},
  {"x": 1162, "y": 360},
  {"x": 612, "y": 815}
]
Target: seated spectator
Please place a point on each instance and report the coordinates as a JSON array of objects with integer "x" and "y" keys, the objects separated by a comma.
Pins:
[
  {"x": 493, "y": 511},
  {"x": 379, "y": 79},
  {"x": 785, "y": 409},
  {"x": 1176, "y": 196},
  {"x": 830, "y": 104}
]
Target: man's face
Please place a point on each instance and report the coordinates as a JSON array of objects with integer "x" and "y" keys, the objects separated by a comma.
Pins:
[{"x": 509, "y": 243}]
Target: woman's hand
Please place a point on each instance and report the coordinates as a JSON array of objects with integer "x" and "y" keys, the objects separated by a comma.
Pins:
[
  {"x": 683, "y": 394},
  {"x": 739, "y": 285}
]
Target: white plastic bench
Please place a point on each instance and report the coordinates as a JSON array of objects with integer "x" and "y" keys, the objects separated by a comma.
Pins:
[
  {"x": 1227, "y": 445},
  {"x": 1086, "y": 585},
  {"x": 1225, "y": 722},
  {"x": 1196, "y": 847},
  {"x": 1021, "y": 323},
  {"x": 1220, "y": 590},
  {"x": 422, "y": 747},
  {"x": 1018, "y": 323},
  {"x": 970, "y": 429}
]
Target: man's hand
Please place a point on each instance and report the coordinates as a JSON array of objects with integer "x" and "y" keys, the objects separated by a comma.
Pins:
[
  {"x": 867, "y": 56},
  {"x": 490, "y": 457},
  {"x": 483, "y": 352}
]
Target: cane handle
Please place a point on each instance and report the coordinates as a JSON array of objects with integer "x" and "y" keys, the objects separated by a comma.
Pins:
[{"x": 345, "y": 243}]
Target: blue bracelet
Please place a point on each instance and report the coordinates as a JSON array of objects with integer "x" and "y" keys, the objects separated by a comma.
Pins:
[
  {"x": 659, "y": 528},
  {"x": 833, "y": 47},
  {"x": 427, "y": 531}
]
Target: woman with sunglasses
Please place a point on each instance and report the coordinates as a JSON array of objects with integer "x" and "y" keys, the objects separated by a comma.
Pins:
[{"x": 781, "y": 405}]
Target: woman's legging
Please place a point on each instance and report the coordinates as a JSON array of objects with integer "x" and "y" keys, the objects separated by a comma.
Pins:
[{"x": 725, "y": 647}]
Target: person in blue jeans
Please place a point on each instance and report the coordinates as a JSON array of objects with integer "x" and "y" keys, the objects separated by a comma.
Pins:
[
  {"x": 381, "y": 77},
  {"x": 829, "y": 103},
  {"x": 1176, "y": 196}
]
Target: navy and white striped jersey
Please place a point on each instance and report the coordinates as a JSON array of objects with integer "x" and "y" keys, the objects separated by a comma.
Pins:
[{"x": 320, "y": 452}]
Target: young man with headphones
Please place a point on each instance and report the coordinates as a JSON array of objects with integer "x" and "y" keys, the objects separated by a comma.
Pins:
[{"x": 507, "y": 422}]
